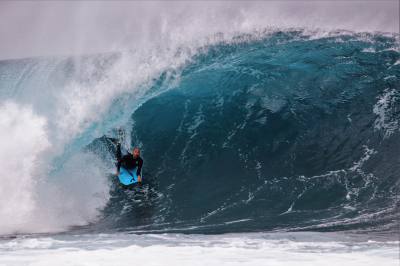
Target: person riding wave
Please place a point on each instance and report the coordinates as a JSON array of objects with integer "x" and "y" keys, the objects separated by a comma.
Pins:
[{"x": 131, "y": 161}]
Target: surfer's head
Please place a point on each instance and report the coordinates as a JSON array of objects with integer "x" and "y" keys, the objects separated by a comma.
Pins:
[{"x": 136, "y": 152}]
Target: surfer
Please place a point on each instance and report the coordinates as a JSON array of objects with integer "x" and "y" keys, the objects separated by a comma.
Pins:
[{"x": 131, "y": 161}]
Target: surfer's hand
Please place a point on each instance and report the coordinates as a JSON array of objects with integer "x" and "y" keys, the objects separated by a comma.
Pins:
[
  {"x": 139, "y": 179},
  {"x": 117, "y": 173}
]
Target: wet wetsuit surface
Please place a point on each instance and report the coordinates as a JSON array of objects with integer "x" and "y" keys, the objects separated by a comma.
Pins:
[{"x": 129, "y": 162}]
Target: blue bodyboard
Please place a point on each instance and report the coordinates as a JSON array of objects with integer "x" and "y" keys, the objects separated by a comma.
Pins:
[{"x": 127, "y": 177}]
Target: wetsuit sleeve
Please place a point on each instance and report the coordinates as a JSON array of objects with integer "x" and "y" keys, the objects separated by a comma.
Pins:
[
  {"x": 120, "y": 161},
  {"x": 119, "y": 164},
  {"x": 139, "y": 169},
  {"x": 118, "y": 155}
]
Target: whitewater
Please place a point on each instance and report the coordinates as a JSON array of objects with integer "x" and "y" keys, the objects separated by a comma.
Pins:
[{"x": 267, "y": 140}]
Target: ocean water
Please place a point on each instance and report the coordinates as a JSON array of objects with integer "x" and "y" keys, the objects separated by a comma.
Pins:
[{"x": 263, "y": 147}]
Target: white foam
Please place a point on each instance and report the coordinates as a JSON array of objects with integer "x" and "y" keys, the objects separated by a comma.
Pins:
[
  {"x": 175, "y": 249},
  {"x": 386, "y": 105},
  {"x": 369, "y": 50},
  {"x": 367, "y": 155},
  {"x": 30, "y": 201},
  {"x": 22, "y": 138}
]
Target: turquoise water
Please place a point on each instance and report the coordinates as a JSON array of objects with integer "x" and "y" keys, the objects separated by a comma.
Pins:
[
  {"x": 253, "y": 136},
  {"x": 284, "y": 131}
]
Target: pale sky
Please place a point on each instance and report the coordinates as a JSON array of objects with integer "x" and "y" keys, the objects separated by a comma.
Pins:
[{"x": 41, "y": 28}]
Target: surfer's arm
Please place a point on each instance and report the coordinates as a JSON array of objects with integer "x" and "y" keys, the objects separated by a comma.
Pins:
[
  {"x": 139, "y": 170},
  {"x": 119, "y": 157},
  {"x": 118, "y": 165},
  {"x": 119, "y": 162}
]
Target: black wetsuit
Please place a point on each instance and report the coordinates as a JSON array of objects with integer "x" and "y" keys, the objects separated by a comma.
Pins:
[{"x": 128, "y": 162}]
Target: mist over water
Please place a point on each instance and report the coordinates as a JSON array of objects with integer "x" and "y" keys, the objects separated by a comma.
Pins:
[{"x": 70, "y": 28}]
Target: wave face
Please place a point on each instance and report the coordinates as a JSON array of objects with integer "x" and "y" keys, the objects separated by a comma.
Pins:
[
  {"x": 284, "y": 132},
  {"x": 280, "y": 130}
]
